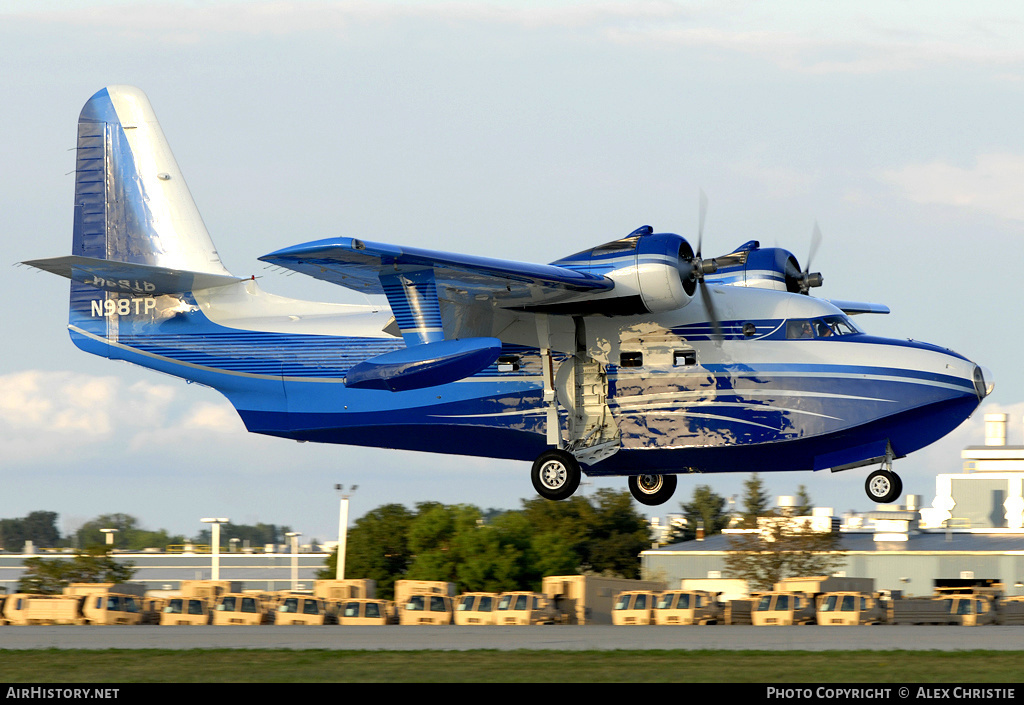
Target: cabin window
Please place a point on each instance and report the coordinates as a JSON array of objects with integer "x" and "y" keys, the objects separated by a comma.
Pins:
[
  {"x": 782, "y": 603},
  {"x": 508, "y": 363},
  {"x": 195, "y": 607},
  {"x": 437, "y": 604},
  {"x": 415, "y": 603},
  {"x": 631, "y": 359},
  {"x": 641, "y": 602},
  {"x": 373, "y": 610},
  {"x": 829, "y": 605},
  {"x": 465, "y": 604},
  {"x": 849, "y": 604},
  {"x": 684, "y": 602},
  {"x": 684, "y": 358},
  {"x": 228, "y": 605},
  {"x": 665, "y": 602},
  {"x": 764, "y": 604},
  {"x": 622, "y": 603},
  {"x": 521, "y": 603},
  {"x": 310, "y": 607},
  {"x": 505, "y": 602},
  {"x": 484, "y": 605},
  {"x": 249, "y": 605},
  {"x": 352, "y": 609}
]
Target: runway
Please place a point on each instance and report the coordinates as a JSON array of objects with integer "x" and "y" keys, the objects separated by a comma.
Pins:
[{"x": 557, "y": 638}]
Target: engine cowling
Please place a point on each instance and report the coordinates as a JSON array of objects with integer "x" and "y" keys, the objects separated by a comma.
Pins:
[{"x": 652, "y": 272}]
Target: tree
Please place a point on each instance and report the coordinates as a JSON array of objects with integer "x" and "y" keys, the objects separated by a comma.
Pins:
[
  {"x": 706, "y": 509},
  {"x": 783, "y": 548},
  {"x": 257, "y": 535},
  {"x": 755, "y": 502},
  {"x": 94, "y": 565},
  {"x": 377, "y": 548},
  {"x": 38, "y": 527},
  {"x": 804, "y": 505}
]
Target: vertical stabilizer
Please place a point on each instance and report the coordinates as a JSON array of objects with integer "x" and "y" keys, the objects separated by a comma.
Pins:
[
  {"x": 134, "y": 211},
  {"x": 131, "y": 201}
]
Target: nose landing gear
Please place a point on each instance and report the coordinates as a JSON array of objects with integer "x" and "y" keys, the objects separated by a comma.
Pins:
[{"x": 883, "y": 485}]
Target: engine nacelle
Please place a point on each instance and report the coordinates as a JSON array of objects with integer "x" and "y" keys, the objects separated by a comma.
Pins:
[
  {"x": 664, "y": 272},
  {"x": 652, "y": 272},
  {"x": 767, "y": 268}
]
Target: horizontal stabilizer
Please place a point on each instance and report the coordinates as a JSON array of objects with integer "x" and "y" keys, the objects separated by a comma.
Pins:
[
  {"x": 128, "y": 277},
  {"x": 853, "y": 307},
  {"x": 426, "y": 365}
]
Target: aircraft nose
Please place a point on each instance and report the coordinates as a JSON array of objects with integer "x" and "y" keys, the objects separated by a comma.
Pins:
[{"x": 984, "y": 382}]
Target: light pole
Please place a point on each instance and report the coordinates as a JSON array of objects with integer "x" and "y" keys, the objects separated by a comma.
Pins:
[
  {"x": 215, "y": 548},
  {"x": 339, "y": 573},
  {"x": 110, "y": 535},
  {"x": 294, "y": 536}
]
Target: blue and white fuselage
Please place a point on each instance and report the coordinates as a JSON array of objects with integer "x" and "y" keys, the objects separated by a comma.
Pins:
[{"x": 613, "y": 361}]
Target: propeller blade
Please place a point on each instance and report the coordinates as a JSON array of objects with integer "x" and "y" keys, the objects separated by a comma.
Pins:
[
  {"x": 815, "y": 243},
  {"x": 703, "y": 217},
  {"x": 709, "y": 306}
]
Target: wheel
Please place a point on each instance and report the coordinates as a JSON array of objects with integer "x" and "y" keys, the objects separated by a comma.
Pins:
[
  {"x": 555, "y": 474},
  {"x": 883, "y": 486},
  {"x": 652, "y": 489}
]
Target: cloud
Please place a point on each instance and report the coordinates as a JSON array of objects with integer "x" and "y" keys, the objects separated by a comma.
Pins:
[
  {"x": 993, "y": 185},
  {"x": 46, "y": 415}
]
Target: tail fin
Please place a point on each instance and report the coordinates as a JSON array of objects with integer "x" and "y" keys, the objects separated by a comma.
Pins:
[
  {"x": 137, "y": 231},
  {"x": 131, "y": 202}
]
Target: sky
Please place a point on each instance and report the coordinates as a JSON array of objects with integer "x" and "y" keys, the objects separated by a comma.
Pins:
[{"x": 519, "y": 130}]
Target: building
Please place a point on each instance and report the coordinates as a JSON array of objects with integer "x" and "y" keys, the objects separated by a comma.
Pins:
[{"x": 973, "y": 532}]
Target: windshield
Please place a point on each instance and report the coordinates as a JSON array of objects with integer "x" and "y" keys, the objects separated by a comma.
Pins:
[{"x": 824, "y": 327}]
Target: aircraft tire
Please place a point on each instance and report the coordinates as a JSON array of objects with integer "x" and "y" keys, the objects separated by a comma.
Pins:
[
  {"x": 883, "y": 486},
  {"x": 652, "y": 490},
  {"x": 555, "y": 474}
]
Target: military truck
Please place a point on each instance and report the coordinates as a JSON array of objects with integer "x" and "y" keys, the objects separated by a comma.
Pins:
[
  {"x": 589, "y": 599},
  {"x": 474, "y": 608},
  {"x": 24, "y": 609},
  {"x": 426, "y": 609},
  {"x": 242, "y": 608},
  {"x": 634, "y": 607},
  {"x": 777, "y": 608},
  {"x": 524, "y": 608},
  {"x": 850, "y": 608},
  {"x": 185, "y": 611},
  {"x": 367, "y": 611},
  {"x": 337, "y": 590},
  {"x": 1010, "y": 610},
  {"x": 688, "y": 607},
  {"x": 305, "y": 609}
]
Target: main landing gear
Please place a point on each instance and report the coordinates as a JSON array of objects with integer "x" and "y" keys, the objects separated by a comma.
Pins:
[
  {"x": 652, "y": 490},
  {"x": 556, "y": 475}
]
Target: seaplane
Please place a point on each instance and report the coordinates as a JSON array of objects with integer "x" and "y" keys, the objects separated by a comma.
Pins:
[{"x": 638, "y": 357}]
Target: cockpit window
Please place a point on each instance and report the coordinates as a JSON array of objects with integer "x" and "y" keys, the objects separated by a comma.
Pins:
[{"x": 825, "y": 327}]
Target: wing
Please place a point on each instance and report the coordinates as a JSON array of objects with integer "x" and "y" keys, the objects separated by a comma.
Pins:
[{"x": 367, "y": 266}]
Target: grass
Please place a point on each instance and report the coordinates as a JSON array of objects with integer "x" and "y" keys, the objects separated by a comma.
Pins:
[{"x": 324, "y": 666}]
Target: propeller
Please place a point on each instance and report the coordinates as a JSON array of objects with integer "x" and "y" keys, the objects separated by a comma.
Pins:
[
  {"x": 807, "y": 279},
  {"x": 700, "y": 267}
]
